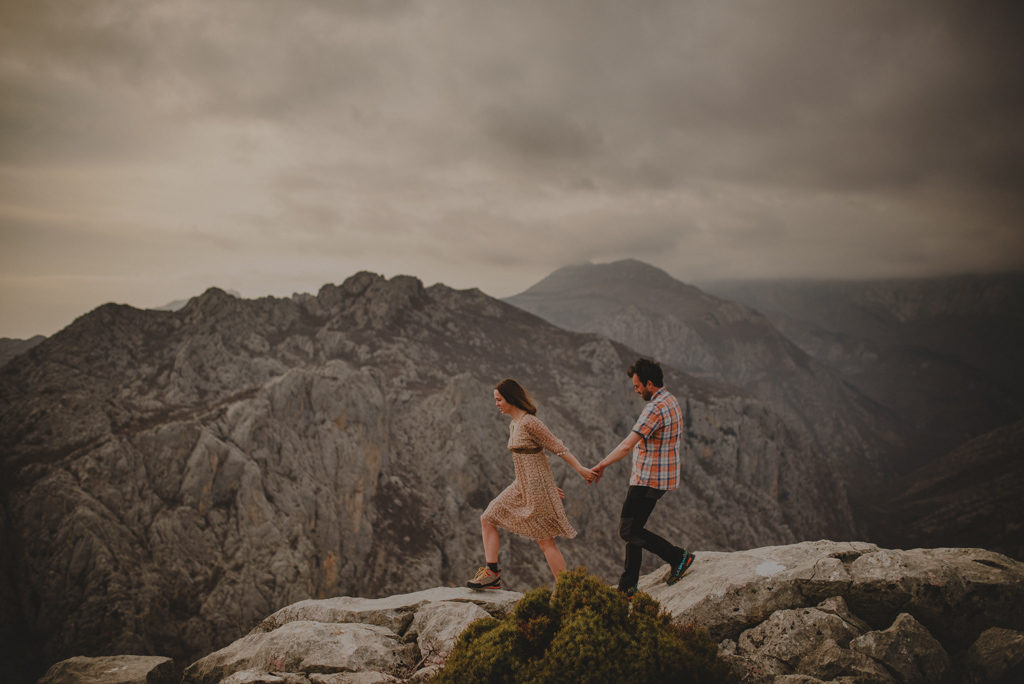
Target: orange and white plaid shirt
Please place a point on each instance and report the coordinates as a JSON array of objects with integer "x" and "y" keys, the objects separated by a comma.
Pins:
[{"x": 656, "y": 455}]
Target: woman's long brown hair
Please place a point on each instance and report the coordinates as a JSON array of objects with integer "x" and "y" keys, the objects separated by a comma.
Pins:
[{"x": 514, "y": 394}]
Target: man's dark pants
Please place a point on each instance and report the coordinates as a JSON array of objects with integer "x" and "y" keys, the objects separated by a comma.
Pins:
[{"x": 636, "y": 510}]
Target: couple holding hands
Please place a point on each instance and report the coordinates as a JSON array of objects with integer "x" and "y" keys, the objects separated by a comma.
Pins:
[{"x": 532, "y": 505}]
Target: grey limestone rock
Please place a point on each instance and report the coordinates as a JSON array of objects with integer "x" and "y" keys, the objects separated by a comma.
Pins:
[
  {"x": 830, "y": 610},
  {"x": 907, "y": 649},
  {"x": 352, "y": 639},
  {"x": 437, "y": 626},
  {"x": 998, "y": 655},
  {"x": 121, "y": 669},
  {"x": 829, "y": 661},
  {"x": 303, "y": 646}
]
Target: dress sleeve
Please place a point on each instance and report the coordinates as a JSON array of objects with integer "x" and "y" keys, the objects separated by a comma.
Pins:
[{"x": 540, "y": 433}]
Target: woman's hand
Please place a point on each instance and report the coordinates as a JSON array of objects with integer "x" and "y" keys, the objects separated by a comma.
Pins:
[
  {"x": 561, "y": 494},
  {"x": 587, "y": 474}
]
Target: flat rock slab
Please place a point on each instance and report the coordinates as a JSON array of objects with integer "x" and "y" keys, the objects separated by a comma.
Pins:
[
  {"x": 393, "y": 612},
  {"x": 123, "y": 669},
  {"x": 954, "y": 593},
  {"x": 307, "y": 647}
]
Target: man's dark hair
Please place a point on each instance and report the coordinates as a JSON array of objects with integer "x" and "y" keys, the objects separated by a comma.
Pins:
[{"x": 645, "y": 370}]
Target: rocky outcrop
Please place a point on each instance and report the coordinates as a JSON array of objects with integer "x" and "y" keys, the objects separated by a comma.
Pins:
[
  {"x": 810, "y": 612},
  {"x": 170, "y": 478},
  {"x": 399, "y": 638},
  {"x": 827, "y": 610},
  {"x": 113, "y": 670}
]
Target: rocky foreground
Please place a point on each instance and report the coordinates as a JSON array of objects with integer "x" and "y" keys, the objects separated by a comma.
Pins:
[{"x": 804, "y": 613}]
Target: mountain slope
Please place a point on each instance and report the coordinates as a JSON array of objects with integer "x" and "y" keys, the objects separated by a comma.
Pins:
[
  {"x": 943, "y": 355},
  {"x": 970, "y": 496},
  {"x": 168, "y": 478},
  {"x": 645, "y": 308}
]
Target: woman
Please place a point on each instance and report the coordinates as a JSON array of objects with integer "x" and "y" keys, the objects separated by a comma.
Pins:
[{"x": 531, "y": 506}]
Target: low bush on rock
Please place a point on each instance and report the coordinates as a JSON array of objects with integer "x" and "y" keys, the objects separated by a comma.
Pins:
[{"x": 584, "y": 632}]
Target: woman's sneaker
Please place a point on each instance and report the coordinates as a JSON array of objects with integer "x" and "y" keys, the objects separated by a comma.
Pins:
[
  {"x": 485, "y": 579},
  {"x": 675, "y": 573}
]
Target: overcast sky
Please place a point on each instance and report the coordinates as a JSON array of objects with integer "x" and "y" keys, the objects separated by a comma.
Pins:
[{"x": 149, "y": 150}]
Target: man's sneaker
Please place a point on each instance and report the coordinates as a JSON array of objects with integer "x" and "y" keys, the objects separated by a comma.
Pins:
[
  {"x": 629, "y": 593},
  {"x": 675, "y": 573},
  {"x": 485, "y": 579}
]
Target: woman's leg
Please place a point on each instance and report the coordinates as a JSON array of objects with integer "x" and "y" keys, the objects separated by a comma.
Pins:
[
  {"x": 492, "y": 542},
  {"x": 553, "y": 556}
]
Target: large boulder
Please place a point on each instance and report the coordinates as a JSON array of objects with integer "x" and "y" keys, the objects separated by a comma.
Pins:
[
  {"x": 908, "y": 649},
  {"x": 121, "y": 669},
  {"x": 997, "y": 656}
]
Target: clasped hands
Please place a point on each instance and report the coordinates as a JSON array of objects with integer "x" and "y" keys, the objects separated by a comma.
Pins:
[{"x": 592, "y": 475}]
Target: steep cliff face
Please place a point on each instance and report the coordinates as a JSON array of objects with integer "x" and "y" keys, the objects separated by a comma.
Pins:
[
  {"x": 646, "y": 309},
  {"x": 169, "y": 478}
]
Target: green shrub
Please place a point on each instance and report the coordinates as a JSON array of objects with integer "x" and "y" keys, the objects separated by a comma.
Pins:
[{"x": 585, "y": 632}]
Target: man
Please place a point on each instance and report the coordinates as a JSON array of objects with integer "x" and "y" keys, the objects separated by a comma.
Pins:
[{"x": 654, "y": 442}]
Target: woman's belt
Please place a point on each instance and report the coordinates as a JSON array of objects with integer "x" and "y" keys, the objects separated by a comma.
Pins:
[{"x": 526, "y": 450}]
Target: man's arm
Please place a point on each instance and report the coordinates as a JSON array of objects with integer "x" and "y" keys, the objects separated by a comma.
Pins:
[{"x": 618, "y": 453}]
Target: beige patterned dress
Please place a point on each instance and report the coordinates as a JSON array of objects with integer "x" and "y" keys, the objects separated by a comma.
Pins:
[{"x": 530, "y": 505}]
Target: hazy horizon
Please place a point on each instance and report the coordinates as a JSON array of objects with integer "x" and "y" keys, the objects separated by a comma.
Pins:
[
  {"x": 698, "y": 283},
  {"x": 155, "y": 149}
]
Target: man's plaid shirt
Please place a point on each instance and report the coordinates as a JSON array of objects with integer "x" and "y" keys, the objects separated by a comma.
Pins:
[{"x": 656, "y": 456}]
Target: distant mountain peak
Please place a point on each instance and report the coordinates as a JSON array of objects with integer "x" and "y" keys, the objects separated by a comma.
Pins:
[{"x": 589, "y": 275}]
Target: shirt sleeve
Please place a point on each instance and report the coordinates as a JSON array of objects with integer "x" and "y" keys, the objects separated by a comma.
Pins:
[
  {"x": 648, "y": 422},
  {"x": 540, "y": 433}
]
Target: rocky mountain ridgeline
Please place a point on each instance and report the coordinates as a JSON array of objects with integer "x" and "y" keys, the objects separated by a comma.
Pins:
[
  {"x": 168, "y": 478},
  {"x": 803, "y": 613},
  {"x": 645, "y": 308}
]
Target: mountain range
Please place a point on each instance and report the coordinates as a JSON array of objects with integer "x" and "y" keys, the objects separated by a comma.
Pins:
[
  {"x": 170, "y": 477},
  {"x": 167, "y": 477}
]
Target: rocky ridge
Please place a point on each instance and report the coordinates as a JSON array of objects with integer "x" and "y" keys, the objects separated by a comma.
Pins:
[
  {"x": 809, "y": 612},
  {"x": 168, "y": 478}
]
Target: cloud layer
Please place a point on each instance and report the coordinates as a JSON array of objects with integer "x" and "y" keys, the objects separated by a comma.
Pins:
[{"x": 152, "y": 149}]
